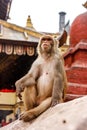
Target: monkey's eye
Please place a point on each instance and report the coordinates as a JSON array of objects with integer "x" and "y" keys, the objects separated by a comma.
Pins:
[{"x": 46, "y": 39}]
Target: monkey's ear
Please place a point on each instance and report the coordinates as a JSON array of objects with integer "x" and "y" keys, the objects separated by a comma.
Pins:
[{"x": 62, "y": 38}]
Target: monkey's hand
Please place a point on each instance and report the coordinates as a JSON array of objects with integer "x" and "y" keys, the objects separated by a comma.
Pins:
[
  {"x": 20, "y": 96},
  {"x": 54, "y": 102},
  {"x": 19, "y": 89},
  {"x": 18, "y": 93}
]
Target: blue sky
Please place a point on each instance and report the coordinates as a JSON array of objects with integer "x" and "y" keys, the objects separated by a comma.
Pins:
[{"x": 45, "y": 13}]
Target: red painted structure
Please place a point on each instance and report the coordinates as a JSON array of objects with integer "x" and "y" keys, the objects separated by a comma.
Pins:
[{"x": 76, "y": 58}]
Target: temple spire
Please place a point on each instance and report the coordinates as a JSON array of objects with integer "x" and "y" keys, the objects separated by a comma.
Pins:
[{"x": 29, "y": 23}]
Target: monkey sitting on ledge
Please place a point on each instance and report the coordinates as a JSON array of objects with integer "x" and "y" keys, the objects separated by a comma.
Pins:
[{"x": 45, "y": 82}]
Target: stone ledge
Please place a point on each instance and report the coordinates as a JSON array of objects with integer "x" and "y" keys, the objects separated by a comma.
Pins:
[{"x": 71, "y": 115}]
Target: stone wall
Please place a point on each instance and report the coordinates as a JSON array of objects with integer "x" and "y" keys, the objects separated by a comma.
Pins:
[{"x": 71, "y": 115}]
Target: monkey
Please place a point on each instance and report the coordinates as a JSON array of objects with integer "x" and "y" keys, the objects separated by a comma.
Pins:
[{"x": 45, "y": 83}]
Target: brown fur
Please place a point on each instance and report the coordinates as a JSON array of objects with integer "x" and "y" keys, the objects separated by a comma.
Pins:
[{"x": 45, "y": 83}]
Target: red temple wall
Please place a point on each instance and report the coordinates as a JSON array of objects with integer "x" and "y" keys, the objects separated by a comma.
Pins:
[{"x": 76, "y": 70}]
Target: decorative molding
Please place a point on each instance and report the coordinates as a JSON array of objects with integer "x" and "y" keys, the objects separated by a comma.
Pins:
[{"x": 17, "y": 50}]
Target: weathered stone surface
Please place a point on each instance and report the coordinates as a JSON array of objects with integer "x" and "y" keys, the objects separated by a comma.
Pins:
[{"x": 71, "y": 115}]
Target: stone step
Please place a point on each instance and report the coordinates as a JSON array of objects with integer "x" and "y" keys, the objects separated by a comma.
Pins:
[
  {"x": 75, "y": 75},
  {"x": 78, "y": 89}
]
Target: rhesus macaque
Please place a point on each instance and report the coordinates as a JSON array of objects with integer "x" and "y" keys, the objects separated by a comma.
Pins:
[{"x": 45, "y": 82}]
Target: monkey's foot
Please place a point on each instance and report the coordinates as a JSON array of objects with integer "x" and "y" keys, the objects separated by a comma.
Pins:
[
  {"x": 27, "y": 116},
  {"x": 55, "y": 102}
]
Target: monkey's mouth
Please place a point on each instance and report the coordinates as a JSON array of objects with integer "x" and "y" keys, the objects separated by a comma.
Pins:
[{"x": 45, "y": 45}]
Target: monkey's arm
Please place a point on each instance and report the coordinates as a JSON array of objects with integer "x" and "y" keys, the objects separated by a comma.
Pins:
[
  {"x": 28, "y": 80},
  {"x": 58, "y": 85}
]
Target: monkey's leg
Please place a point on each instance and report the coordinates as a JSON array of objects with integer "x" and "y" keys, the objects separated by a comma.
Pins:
[
  {"x": 29, "y": 97},
  {"x": 33, "y": 113},
  {"x": 58, "y": 87}
]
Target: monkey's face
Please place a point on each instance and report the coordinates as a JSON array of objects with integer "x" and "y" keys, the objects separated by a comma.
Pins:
[{"x": 46, "y": 44}]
